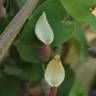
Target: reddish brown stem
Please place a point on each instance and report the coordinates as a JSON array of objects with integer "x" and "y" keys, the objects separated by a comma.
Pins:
[
  {"x": 45, "y": 52},
  {"x": 53, "y": 91}
]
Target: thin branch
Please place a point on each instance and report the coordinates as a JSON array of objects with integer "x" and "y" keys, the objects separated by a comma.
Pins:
[{"x": 13, "y": 29}]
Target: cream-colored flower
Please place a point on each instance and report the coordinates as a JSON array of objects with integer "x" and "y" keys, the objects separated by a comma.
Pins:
[
  {"x": 43, "y": 30},
  {"x": 55, "y": 72}
]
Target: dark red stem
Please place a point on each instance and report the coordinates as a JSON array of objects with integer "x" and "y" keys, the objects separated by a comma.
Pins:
[
  {"x": 45, "y": 52},
  {"x": 53, "y": 91}
]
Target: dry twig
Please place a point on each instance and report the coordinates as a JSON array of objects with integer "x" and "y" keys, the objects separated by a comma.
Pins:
[{"x": 14, "y": 27}]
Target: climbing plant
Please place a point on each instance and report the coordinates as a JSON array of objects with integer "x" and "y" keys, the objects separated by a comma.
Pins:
[{"x": 35, "y": 43}]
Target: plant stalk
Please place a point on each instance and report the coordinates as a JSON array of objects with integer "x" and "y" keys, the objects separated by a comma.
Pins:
[
  {"x": 53, "y": 91},
  {"x": 14, "y": 27}
]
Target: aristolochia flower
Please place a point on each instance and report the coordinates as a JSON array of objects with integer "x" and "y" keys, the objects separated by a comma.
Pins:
[
  {"x": 55, "y": 73},
  {"x": 43, "y": 30}
]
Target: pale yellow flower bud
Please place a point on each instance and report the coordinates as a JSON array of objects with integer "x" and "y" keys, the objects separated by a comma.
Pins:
[
  {"x": 55, "y": 73},
  {"x": 43, "y": 30}
]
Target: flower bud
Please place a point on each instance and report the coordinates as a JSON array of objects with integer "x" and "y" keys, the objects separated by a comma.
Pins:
[
  {"x": 55, "y": 73},
  {"x": 43, "y": 30}
]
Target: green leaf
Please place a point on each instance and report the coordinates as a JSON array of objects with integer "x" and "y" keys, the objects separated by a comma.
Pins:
[
  {"x": 92, "y": 23},
  {"x": 84, "y": 54},
  {"x": 26, "y": 71},
  {"x": 55, "y": 14},
  {"x": 79, "y": 34},
  {"x": 78, "y": 9},
  {"x": 89, "y": 3},
  {"x": 78, "y": 89},
  {"x": 33, "y": 72},
  {"x": 9, "y": 86},
  {"x": 80, "y": 42},
  {"x": 13, "y": 71},
  {"x": 63, "y": 30},
  {"x": 3, "y": 23},
  {"x": 81, "y": 50},
  {"x": 81, "y": 11},
  {"x": 20, "y": 3},
  {"x": 27, "y": 53}
]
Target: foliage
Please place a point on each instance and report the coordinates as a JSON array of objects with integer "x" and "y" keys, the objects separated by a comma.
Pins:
[{"x": 66, "y": 18}]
